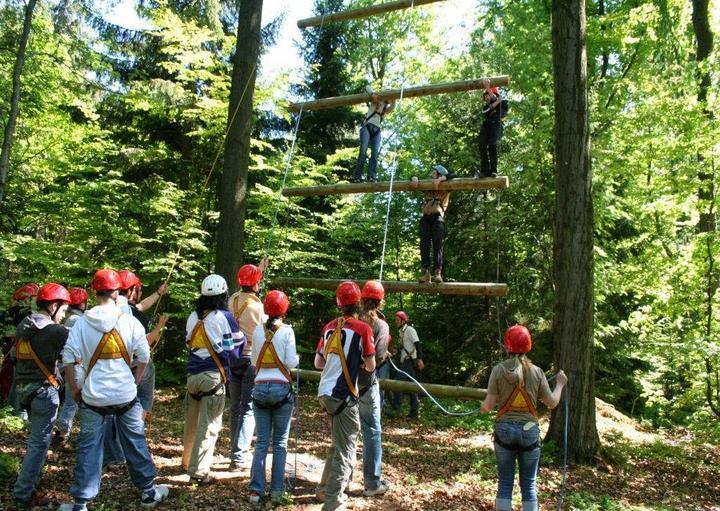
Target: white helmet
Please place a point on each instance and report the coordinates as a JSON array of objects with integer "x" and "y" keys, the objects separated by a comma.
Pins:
[{"x": 213, "y": 285}]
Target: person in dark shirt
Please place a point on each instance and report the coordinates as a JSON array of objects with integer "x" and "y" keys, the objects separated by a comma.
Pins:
[
  {"x": 40, "y": 340},
  {"x": 491, "y": 131}
]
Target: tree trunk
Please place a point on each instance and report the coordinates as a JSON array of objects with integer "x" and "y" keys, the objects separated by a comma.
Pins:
[
  {"x": 233, "y": 184},
  {"x": 15, "y": 98},
  {"x": 573, "y": 250}
]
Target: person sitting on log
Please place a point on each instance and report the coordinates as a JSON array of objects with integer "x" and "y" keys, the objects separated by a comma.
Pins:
[
  {"x": 432, "y": 224},
  {"x": 491, "y": 131},
  {"x": 370, "y": 135}
]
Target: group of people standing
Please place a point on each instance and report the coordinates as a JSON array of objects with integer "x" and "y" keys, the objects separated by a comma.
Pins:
[{"x": 240, "y": 343}]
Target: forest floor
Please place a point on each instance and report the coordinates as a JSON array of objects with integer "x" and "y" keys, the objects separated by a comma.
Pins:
[{"x": 433, "y": 463}]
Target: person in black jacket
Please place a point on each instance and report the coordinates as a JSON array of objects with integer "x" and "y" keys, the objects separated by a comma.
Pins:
[{"x": 491, "y": 131}]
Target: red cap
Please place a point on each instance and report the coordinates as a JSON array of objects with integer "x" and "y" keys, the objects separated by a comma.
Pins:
[
  {"x": 373, "y": 290},
  {"x": 347, "y": 293},
  {"x": 52, "y": 292},
  {"x": 128, "y": 279},
  {"x": 402, "y": 315},
  {"x": 106, "y": 280},
  {"x": 517, "y": 339},
  {"x": 78, "y": 296},
  {"x": 276, "y": 303},
  {"x": 26, "y": 291},
  {"x": 248, "y": 275}
]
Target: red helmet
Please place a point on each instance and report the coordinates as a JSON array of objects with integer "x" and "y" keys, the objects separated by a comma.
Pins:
[
  {"x": 517, "y": 339},
  {"x": 248, "y": 275},
  {"x": 373, "y": 290},
  {"x": 402, "y": 315},
  {"x": 26, "y": 291},
  {"x": 52, "y": 292},
  {"x": 347, "y": 293},
  {"x": 276, "y": 303},
  {"x": 78, "y": 296},
  {"x": 106, "y": 280},
  {"x": 128, "y": 279}
]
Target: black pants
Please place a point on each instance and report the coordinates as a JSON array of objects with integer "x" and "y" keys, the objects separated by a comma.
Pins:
[
  {"x": 490, "y": 133},
  {"x": 409, "y": 367},
  {"x": 432, "y": 229}
]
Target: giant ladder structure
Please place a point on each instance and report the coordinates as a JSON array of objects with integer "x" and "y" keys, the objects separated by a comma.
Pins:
[{"x": 492, "y": 183}]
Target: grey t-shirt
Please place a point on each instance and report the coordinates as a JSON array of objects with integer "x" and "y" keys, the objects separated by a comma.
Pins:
[
  {"x": 381, "y": 334},
  {"x": 503, "y": 381}
]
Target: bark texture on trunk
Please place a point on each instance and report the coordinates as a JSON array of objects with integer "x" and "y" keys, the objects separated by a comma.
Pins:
[
  {"x": 9, "y": 131},
  {"x": 573, "y": 250},
  {"x": 233, "y": 183}
]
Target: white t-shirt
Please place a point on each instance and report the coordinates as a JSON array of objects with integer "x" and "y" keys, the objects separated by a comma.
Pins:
[{"x": 284, "y": 342}]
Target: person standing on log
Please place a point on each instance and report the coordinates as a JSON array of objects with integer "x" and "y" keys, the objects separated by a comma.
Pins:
[
  {"x": 432, "y": 225},
  {"x": 345, "y": 344},
  {"x": 491, "y": 131},
  {"x": 370, "y": 407},
  {"x": 516, "y": 385},
  {"x": 371, "y": 135},
  {"x": 411, "y": 357},
  {"x": 247, "y": 309}
]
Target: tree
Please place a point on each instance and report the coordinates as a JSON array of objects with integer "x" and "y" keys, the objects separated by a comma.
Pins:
[
  {"x": 15, "y": 97},
  {"x": 233, "y": 185},
  {"x": 573, "y": 247}
]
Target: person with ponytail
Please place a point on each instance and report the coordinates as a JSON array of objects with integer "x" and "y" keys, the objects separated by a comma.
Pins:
[
  {"x": 272, "y": 398},
  {"x": 515, "y": 385}
]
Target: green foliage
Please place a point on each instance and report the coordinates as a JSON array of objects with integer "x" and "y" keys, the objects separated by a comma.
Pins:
[
  {"x": 9, "y": 422},
  {"x": 9, "y": 466}
]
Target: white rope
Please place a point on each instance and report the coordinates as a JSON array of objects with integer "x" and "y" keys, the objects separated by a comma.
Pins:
[{"x": 393, "y": 166}]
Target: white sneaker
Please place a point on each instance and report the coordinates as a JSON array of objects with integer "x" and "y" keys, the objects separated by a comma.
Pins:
[
  {"x": 254, "y": 497},
  {"x": 72, "y": 507},
  {"x": 159, "y": 493},
  {"x": 382, "y": 488}
]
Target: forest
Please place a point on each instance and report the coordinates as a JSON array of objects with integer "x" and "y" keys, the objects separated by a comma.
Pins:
[{"x": 164, "y": 150}]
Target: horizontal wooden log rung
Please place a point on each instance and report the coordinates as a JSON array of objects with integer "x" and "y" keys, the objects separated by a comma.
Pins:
[
  {"x": 408, "y": 92},
  {"x": 489, "y": 183},
  {"x": 445, "y": 288},
  {"x": 447, "y": 391},
  {"x": 362, "y": 12}
]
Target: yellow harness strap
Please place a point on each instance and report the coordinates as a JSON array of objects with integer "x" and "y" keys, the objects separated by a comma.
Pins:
[
  {"x": 199, "y": 339},
  {"x": 268, "y": 358},
  {"x": 519, "y": 401},
  {"x": 237, "y": 312},
  {"x": 24, "y": 351},
  {"x": 111, "y": 346},
  {"x": 335, "y": 345}
]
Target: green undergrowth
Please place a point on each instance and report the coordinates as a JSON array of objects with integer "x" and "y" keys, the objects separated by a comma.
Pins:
[
  {"x": 584, "y": 501},
  {"x": 432, "y": 416}
]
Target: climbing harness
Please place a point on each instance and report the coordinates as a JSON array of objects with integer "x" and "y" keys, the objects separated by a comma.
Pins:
[
  {"x": 269, "y": 359},
  {"x": 200, "y": 340},
  {"x": 24, "y": 351}
]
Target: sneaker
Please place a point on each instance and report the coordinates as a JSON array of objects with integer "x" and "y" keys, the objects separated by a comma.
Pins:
[
  {"x": 254, "y": 497},
  {"x": 382, "y": 488},
  {"x": 205, "y": 480},
  {"x": 437, "y": 276},
  {"x": 424, "y": 278},
  {"x": 371, "y": 179},
  {"x": 72, "y": 507},
  {"x": 237, "y": 466},
  {"x": 155, "y": 496},
  {"x": 60, "y": 439},
  {"x": 356, "y": 180}
]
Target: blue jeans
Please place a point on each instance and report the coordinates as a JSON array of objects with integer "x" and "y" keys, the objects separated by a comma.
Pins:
[
  {"x": 131, "y": 432},
  {"x": 383, "y": 373},
  {"x": 513, "y": 433},
  {"x": 146, "y": 389},
  {"x": 409, "y": 367},
  {"x": 242, "y": 420},
  {"x": 43, "y": 412},
  {"x": 369, "y": 408},
  {"x": 70, "y": 408},
  {"x": 370, "y": 135},
  {"x": 277, "y": 423}
]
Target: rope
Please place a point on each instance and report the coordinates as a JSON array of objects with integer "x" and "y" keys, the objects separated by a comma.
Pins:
[
  {"x": 156, "y": 346},
  {"x": 435, "y": 401},
  {"x": 291, "y": 480},
  {"x": 393, "y": 168},
  {"x": 497, "y": 267}
]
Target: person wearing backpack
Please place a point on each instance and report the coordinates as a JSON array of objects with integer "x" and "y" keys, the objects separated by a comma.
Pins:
[
  {"x": 516, "y": 385},
  {"x": 40, "y": 340},
  {"x": 97, "y": 359},
  {"x": 215, "y": 342},
  {"x": 494, "y": 109},
  {"x": 371, "y": 135},
  {"x": 273, "y": 355}
]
